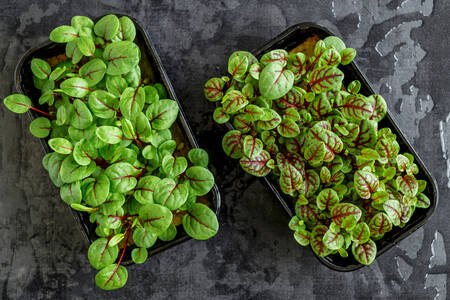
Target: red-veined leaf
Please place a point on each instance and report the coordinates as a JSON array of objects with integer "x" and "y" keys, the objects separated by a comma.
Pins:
[
  {"x": 232, "y": 144},
  {"x": 364, "y": 253},
  {"x": 407, "y": 185},
  {"x": 365, "y": 183},
  {"x": 257, "y": 166},
  {"x": 316, "y": 241},
  {"x": 343, "y": 210},
  {"x": 326, "y": 78},
  {"x": 379, "y": 224}
]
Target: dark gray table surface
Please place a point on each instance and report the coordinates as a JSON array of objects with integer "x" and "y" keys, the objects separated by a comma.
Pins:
[{"x": 403, "y": 48}]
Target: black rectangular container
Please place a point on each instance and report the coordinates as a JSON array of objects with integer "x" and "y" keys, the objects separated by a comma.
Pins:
[
  {"x": 288, "y": 40},
  {"x": 152, "y": 68}
]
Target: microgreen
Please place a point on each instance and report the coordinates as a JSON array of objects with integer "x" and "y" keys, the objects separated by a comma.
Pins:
[
  {"x": 114, "y": 156},
  {"x": 294, "y": 118}
]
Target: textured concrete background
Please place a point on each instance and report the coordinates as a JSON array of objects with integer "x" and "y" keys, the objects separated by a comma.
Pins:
[{"x": 402, "y": 47}]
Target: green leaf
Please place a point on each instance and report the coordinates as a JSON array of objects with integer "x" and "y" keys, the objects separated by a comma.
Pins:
[
  {"x": 200, "y": 222},
  {"x": 297, "y": 64},
  {"x": 361, "y": 233},
  {"x": 111, "y": 277},
  {"x": 155, "y": 218},
  {"x": 288, "y": 128},
  {"x": 213, "y": 89},
  {"x": 75, "y": 87},
  {"x": 71, "y": 193},
  {"x": 257, "y": 165},
  {"x": 103, "y": 104},
  {"x": 71, "y": 171},
  {"x": 237, "y": 66},
  {"x": 379, "y": 107},
  {"x": 139, "y": 255},
  {"x": 233, "y": 101},
  {"x": 121, "y": 176},
  {"x": 423, "y": 201},
  {"x": 393, "y": 210},
  {"x": 327, "y": 198},
  {"x": 277, "y": 55},
  {"x": 100, "y": 254},
  {"x": 17, "y": 103},
  {"x": 272, "y": 121},
  {"x": 162, "y": 114},
  {"x": 343, "y": 210},
  {"x": 170, "y": 194},
  {"x": 347, "y": 55},
  {"x": 121, "y": 57},
  {"x": 63, "y": 34},
  {"x": 79, "y": 22},
  {"x": 325, "y": 79},
  {"x": 145, "y": 188},
  {"x": 116, "y": 85},
  {"x": 365, "y": 253},
  {"x": 220, "y": 116},
  {"x": 302, "y": 237},
  {"x": 255, "y": 70},
  {"x": 252, "y": 147},
  {"x": 93, "y": 71},
  {"x": 407, "y": 185},
  {"x": 61, "y": 145},
  {"x": 198, "y": 157},
  {"x": 143, "y": 238},
  {"x": 107, "y": 27},
  {"x": 200, "y": 179},
  {"x": 169, "y": 234},
  {"x": 109, "y": 134},
  {"x": 316, "y": 240},
  {"x": 365, "y": 183},
  {"x": 333, "y": 240},
  {"x": 86, "y": 45},
  {"x": 290, "y": 179},
  {"x": 379, "y": 225},
  {"x": 232, "y": 144},
  {"x": 40, "y": 127},
  {"x": 275, "y": 81},
  {"x": 97, "y": 191},
  {"x": 132, "y": 102},
  {"x": 127, "y": 30},
  {"x": 40, "y": 68},
  {"x": 311, "y": 182}
]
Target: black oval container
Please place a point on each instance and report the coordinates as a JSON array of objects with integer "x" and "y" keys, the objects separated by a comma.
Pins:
[
  {"x": 152, "y": 68},
  {"x": 288, "y": 40}
]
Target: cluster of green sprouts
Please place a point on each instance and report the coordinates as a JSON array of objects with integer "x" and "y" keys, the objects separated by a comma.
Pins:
[
  {"x": 115, "y": 156},
  {"x": 294, "y": 118}
]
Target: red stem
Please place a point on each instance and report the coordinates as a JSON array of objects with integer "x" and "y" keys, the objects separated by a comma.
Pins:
[{"x": 120, "y": 259}]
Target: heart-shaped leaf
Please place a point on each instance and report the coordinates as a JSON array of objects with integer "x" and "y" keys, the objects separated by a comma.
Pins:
[
  {"x": 333, "y": 240},
  {"x": 220, "y": 116},
  {"x": 237, "y": 66},
  {"x": 271, "y": 122},
  {"x": 127, "y": 30},
  {"x": 252, "y": 147},
  {"x": 290, "y": 179},
  {"x": 200, "y": 222},
  {"x": 132, "y": 102},
  {"x": 423, "y": 201},
  {"x": 103, "y": 104},
  {"x": 311, "y": 182},
  {"x": 288, "y": 128},
  {"x": 169, "y": 234},
  {"x": 361, "y": 233}
]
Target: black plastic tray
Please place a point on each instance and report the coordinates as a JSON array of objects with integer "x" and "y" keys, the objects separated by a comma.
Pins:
[
  {"x": 288, "y": 40},
  {"x": 156, "y": 73}
]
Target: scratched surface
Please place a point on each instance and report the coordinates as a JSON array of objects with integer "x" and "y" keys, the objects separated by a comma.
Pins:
[{"x": 402, "y": 48}]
